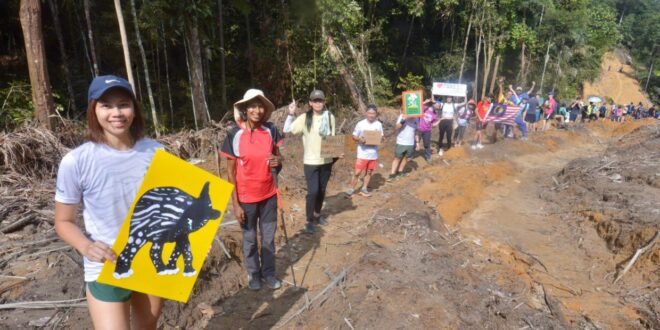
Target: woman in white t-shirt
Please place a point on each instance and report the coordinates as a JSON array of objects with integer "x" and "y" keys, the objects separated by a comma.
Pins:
[
  {"x": 103, "y": 175},
  {"x": 447, "y": 116}
]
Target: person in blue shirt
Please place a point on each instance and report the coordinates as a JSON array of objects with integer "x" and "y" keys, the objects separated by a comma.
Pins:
[
  {"x": 520, "y": 121},
  {"x": 519, "y": 94}
]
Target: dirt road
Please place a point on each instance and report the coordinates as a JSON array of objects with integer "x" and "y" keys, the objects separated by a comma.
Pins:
[{"x": 473, "y": 241}]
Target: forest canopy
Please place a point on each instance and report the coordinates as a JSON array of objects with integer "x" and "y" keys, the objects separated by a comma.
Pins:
[{"x": 192, "y": 59}]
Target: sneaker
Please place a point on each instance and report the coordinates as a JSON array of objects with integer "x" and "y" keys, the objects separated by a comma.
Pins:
[
  {"x": 480, "y": 146},
  {"x": 254, "y": 283},
  {"x": 440, "y": 152},
  {"x": 365, "y": 193},
  {"x": 473, "y": 147},
  {"x": 391, "y": 178},
  {"x": 322, "y": 221},
  {"x": 429, "y": 161},
  {"x": 403, "y": 174},
  {"x": 309, "y": 228},
  {"x": 350, "y": 191},
  {"x": 273, "y": 282}
]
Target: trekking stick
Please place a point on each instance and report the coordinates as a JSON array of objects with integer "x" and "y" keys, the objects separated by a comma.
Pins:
[
  {"x": 280, "y": 206},
  {"x": 286, "y": 240}
]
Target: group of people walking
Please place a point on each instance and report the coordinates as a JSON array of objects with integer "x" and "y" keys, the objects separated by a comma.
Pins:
[
  {"x": 593, "y": 111},
  {"x": 103, "y": 175}
]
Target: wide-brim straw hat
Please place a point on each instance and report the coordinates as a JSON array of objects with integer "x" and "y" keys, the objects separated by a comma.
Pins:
[{"x": 251, "y": 94}]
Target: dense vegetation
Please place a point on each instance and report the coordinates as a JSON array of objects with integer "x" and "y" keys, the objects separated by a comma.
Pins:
[{"x": 358, "y": 51}]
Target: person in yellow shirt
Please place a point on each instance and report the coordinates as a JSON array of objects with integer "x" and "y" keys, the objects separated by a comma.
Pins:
[{"x": 314, "y": 125}]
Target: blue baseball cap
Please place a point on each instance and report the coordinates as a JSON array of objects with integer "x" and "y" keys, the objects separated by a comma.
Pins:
[{"x": 101, "y": 84}]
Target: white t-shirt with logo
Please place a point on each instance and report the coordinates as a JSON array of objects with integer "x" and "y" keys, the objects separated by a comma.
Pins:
[
  {"x": 105, "y": 181},
  {"x": 406, "y": 136},
  {"x": 365, "y": 151}
]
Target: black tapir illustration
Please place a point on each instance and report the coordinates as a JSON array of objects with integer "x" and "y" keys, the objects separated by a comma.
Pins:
[{"x": 165, "y": 215}]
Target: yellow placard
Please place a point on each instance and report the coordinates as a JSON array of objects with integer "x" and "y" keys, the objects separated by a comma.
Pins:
[{"x": 169, "y": 229}]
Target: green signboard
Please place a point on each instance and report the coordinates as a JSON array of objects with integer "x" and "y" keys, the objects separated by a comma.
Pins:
[{"x": 411, "y": 103}]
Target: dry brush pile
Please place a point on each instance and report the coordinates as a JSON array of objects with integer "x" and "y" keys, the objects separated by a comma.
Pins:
[{"x": 30, "y": 156}]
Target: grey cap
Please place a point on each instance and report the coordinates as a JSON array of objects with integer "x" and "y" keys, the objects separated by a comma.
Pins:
[{"x": 317, "y": 94}]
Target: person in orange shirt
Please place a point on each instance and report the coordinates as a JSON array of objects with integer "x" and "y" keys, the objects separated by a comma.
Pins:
[{"x": 482, "y": 110}]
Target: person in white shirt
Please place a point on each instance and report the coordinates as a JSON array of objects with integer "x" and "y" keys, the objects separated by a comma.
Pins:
[
  {"x": 367, "y": 155},
  {"x": 406, "y": 141},
  {"x": 447, "y": 116},
  {"x": 103, "y": 175}
]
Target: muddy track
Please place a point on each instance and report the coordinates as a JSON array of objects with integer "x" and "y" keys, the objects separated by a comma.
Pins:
[{"x": 470, "y": 242}]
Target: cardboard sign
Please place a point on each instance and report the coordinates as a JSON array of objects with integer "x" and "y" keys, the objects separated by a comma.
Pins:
[
  {"x": 447, "y": 89},
  {"x": 372, "y": 138},
  {"x": 411, "y": 103},
  {"x": 333, "y": 146},
  {"x": 168, "y": 230}
]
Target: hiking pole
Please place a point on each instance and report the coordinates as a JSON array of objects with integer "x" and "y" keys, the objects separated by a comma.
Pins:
[
  {"x": 280, "y": 206},
  {"x": 286, "y": 240}
]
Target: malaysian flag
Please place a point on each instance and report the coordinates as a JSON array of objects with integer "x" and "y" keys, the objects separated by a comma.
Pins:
[{"x": 502, "y": 113}]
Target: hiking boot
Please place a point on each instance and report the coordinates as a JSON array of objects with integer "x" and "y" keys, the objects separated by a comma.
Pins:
[
  {"x": 273, "y": 283},
  {"x": 403, "y": 174},
  {"x": 350, "y": 191},
  {"x": 365, "y": 193},
  {"x": 391, "y": 178},
  {"x": 254, "y": 283},
  {"x": 309, "y": 228}
]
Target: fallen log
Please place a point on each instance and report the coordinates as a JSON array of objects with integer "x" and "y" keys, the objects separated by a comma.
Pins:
[
  {"x": 46, "y": 304},
  {"x": 309, "y": 303},
  {"x": 636, "y": 256},
  {"x": 18, "y": 224}
]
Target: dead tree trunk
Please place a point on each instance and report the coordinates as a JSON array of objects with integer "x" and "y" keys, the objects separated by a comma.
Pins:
[
  {"x": 475, "y": 88},
  {"x": 521, "y": 73},
  {"x": 197, "y": 72},
  {"x": 124, "y": 42},
  {"x": 190, "y": 83},
  {"x": 493, "y": 79},
  {"x": 65, "y": 59},
  {"x": 223, "y": 84},
  {"x": 250, "y": 54},
  {"x": 361, "y": 65},
  {"x": 30, "y": 16},
  {"x": 92, "y": 48},
  {"x": 336, "y": 57},
  {"x": 545, "y": 65},
  {"x": 467, "y": 37},
  {"x": 648, "y": 77},
  {"x": 489, "y": 51},
  {"x": 80, "y": 28},
  {"x": 154, "y": 116},
  {"x": 167, "y": 78}
]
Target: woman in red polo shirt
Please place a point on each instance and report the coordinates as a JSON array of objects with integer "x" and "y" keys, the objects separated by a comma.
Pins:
[{"x": 252, "y": 152}]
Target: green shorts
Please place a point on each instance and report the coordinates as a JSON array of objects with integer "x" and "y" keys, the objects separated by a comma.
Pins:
[
  {"x": 108, "y": 293},
  {"x": 400, "y": 151}
]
